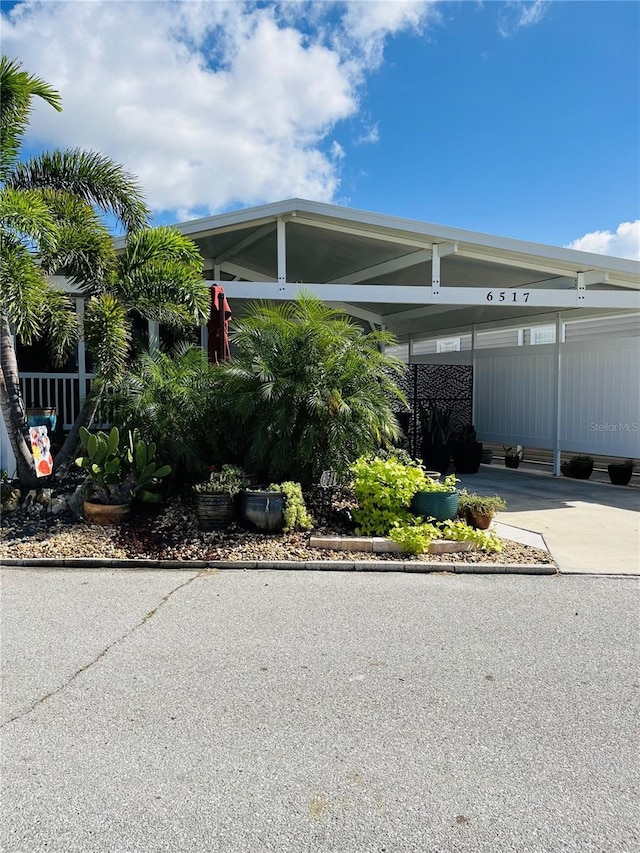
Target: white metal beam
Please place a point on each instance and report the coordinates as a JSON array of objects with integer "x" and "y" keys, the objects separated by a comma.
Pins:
[
  {"x": 369, "y": 234},
  {"x": 282, "y": 251},
  {"x": 460, "y": 296},
  {"x": 249, "y": 240},
  {"x": 244, "y": 272},
  {"x": 361, "y": 313},
  {"x": 401, "y": 263}
]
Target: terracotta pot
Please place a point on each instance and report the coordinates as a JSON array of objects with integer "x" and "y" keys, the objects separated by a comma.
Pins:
[
  {"x": 480, "y": 522},
  {"x": 105, "y": 513}
]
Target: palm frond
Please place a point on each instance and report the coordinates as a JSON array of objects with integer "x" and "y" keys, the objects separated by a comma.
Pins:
[{"x": 92, "y": 177}]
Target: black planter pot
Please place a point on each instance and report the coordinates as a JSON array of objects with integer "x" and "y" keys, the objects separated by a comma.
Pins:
[
  {"x": 487, "y": 457},
  {"x": 262, "y": 511},
  {"x": 577, "y": 470},
  {"x": 436, "y": 456},
  {"x": 512, "y": 461},
  {"x": 620, "y": 475},
  {"x": 467, "y": 457}
]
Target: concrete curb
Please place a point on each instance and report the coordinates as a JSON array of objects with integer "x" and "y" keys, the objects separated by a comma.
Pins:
[{"x": 308, "y": 565}]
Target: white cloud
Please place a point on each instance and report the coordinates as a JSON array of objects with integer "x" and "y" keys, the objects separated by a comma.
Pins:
[
  {"x": 519, "y": 13},
  {"x": 624, "y": 242},
  {"x": 211, "y": 104}
]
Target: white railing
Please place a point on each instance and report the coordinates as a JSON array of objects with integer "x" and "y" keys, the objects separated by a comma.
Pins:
[{"x": 59, "y": 390}]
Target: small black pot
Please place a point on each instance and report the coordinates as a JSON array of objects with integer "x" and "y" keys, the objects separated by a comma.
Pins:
[
  {"x": 620, "y": 475},
  {"x": 512, "y": 461},
  {"x": 487, "y": 457},
  {"x": 577, "y": 470},
  {"x": 467, "y": 457}
]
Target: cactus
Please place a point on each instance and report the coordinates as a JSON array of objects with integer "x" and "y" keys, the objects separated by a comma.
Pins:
[{"x": 117, "y": 473}]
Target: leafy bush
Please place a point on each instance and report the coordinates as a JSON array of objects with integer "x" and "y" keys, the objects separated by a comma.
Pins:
[
  {"x": 447, "y": 485},
  {"x": 384, "y": 489},
  {"x": 179, "y": 401},
  {"x": 312, "y": 388}
]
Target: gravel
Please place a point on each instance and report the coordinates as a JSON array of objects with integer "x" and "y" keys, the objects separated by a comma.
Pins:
[{"x": 172, "y": 533}]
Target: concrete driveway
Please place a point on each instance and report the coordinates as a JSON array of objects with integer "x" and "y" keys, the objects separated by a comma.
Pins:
[
  {"x": 293, "y": 711},
  {"x": 588, "y": 527}
]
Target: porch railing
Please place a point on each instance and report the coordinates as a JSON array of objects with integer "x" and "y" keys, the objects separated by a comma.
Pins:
[{"x": 59, "y": 390}]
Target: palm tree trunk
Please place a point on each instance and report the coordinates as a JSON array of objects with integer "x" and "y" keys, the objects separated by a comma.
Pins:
[
  {"x": 13, "y": 409},
  {"x": 85, "y": 418}
]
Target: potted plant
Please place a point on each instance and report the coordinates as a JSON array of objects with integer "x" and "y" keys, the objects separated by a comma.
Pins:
[
  {"x": 479, "y": 509},
  {"x": 215, "y": 497},
  {"x": 486, "y": 456},
  {"x": 278, "y": 508},
  {"x": 436, "y": 499},
  {"x": 620, "y": 472},
  {"x": 513, "y": 456},
  {"x": 578, "y": 467},
  {"x": 466, "y": 451},
  {"x": 118, "y": 474},
  {"x": 435, "y": 422}
]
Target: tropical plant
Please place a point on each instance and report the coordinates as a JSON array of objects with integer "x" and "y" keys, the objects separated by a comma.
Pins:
[
  {"x": 179, "y": 401},
  {"x": 295, "y": 514},
  {"x": 50, "y": 222},
  {"x": 435, "y": 422},
  {"x": 384, "y": 489},
  {"x": 120, "y": 473},
  {"x": 313, "y": 389},
  {"x": 415, "y": 538},
  {"x": 513, "y": 452},
  {"x": 229, "y": 480}
]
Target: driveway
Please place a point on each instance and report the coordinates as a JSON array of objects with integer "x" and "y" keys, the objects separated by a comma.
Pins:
[
  {"x": 588, "y": 527},
  {"x": 293, "y": 711}
]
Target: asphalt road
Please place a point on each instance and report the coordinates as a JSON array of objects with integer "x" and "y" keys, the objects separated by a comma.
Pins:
[{"x": 296, "y": 711}]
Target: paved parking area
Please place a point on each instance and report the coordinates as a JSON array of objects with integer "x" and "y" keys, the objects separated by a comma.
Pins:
[
  {"x": 588, "y": 526},
  {"x": 294, "y": 711}
]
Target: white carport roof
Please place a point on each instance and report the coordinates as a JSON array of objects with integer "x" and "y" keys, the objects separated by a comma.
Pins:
[{"x": 412, "y": 277}]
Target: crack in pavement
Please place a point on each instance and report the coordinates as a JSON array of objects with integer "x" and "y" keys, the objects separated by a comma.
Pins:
[{"x": 104, "y": 651}]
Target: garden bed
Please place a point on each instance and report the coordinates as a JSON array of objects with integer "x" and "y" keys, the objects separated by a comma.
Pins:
[{"x": 171, "y": 533}]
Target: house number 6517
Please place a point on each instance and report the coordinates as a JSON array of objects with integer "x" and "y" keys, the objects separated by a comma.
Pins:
[{"x": 503, "y": 296}]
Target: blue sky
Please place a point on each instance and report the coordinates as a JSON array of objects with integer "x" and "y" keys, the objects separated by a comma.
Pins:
[{"x": 519, "y": 119}]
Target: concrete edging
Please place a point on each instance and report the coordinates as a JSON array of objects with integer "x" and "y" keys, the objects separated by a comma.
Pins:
[{"x": 304, "y": 565}]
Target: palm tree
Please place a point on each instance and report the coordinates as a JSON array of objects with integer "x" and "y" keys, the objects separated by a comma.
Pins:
[
  {"x": 50, "y": 222},
  {"x": 314, "y": 390}
]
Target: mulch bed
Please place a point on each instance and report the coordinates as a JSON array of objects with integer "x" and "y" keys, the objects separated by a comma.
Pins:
[{"x": 171, "y": 533}]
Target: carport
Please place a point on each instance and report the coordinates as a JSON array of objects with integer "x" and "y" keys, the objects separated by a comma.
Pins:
[{"x": 552, "y": 334}]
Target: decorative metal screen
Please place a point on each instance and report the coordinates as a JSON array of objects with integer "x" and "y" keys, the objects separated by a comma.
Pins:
[{"x": 448, "y": 386}]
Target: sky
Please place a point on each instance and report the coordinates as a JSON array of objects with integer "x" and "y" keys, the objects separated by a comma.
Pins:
[{"x": 520, "y": 119}]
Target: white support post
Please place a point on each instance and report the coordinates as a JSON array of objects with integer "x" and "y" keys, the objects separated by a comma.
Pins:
[
  {"x": 410, "y": 350},
  {"x": 558, "y": 360},
  {"x": 282, "y": 254},
  {"x": 435, "y": 272},
  {"x": 473, "y": 374},
  {"x": 82, "y": 357}
]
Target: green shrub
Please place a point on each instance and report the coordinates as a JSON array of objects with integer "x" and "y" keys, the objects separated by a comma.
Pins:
[
  {"x": 384, "y": 489},
  {"x": 416, "y": 538},
  {"x": 447, "y": 485},
  {"x": 313, "y": 390},
  {"x": 480, "y": 504}
]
